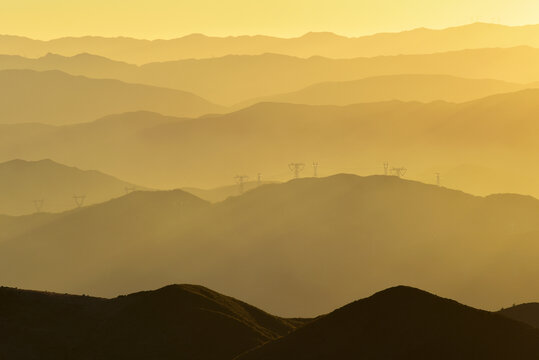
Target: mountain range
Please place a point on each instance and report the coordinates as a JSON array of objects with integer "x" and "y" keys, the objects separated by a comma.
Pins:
[
  {"x": 423, "y": 88},
  {"x": 417, "y": 41},
  {"x": 53, "y": 97},
  {"x": 194, "y": 322},
  {"x": 234, "y": 79},
  {"x": 317, "y": 243},
  {"x": 207, "y": 152}
]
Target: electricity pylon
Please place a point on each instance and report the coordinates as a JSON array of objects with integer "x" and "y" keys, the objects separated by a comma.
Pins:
[
  {"x": 399, "y": 172},
  {"x": 79, "y": 200},
  {"x": 315, "y": 168},
  {"x": 130, "y": 189},
  {"x": 240, "y": 180},
  {"x": 39, "y": 205},
  {"x": 386, "y": 168},
  {"x": 296, "y": 168},
  {"x": 438, "y": 182},
  {"x": 258, "y": 179}
]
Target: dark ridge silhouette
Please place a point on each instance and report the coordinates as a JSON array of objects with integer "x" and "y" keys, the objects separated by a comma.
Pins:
[
  {"x": 233, "y": 79},
  {"x": 177, "y": 321},
  {"x": 421, "y": 40},
  {"x": 405, "y": 323},
  {"x": 23, "y": 182},
  {"x": 316, "y": 242},
  {"x": 59, "y": 98},
  {"x": 526, "y": 313}
]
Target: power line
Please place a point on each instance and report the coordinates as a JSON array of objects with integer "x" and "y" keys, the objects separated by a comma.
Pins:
[
  {"x": 315, "y": 168},
  {"x": 399, "y": 172},
  {"x": 386, "y": 168},
  {"x": 79, "y": 200},
  {"x": 240, "y": 180},
  {"x": 39, "y": 205},
  {"x": 296, "y": 168}
]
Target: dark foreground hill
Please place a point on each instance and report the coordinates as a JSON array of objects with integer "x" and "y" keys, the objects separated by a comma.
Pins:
[
  {"x": 174, "y": 322},
  {"x": 405, "y": 323},
  {"x": 528, "y": 313}
]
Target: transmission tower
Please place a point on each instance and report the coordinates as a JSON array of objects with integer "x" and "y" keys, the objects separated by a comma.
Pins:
[
  {"x": 240, "y": 180},
  {"x": 39, "y": 205},
  {"x": 258, "y": 179},
  {"x": 386, "y": 168},
  {"x": 130, "y": 189},
  {"x": 315, "y": 168},
  {"x": 399, "y": 172},
  {"x": 438, "y": 182},
  {"x": 79, "y": 200},
  {"x": 296, "y": 168}
]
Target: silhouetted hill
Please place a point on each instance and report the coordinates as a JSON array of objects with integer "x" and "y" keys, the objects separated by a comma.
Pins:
[
  {"x": 53, "y": 97},
  {"x": 405, "y": 323},
  {"x": 233, "y": 79},
  {"x": 425, "y": 88},
  {"x": 23, "y": 182},
  {"x": 317, "y": 243},
  {"x": 177, "y": 321},
  {"x": 478, "y": 35},
  {"x": 526, "y": 313}
]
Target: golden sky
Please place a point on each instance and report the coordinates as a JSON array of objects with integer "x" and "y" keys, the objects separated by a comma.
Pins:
[{"x": 45, "y": 19}]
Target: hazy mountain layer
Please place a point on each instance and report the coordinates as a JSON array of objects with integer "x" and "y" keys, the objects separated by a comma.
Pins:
[
  {"x": 316, "y": 243},
  {"x": 497, "y": 133},
  {"x": 46, "y": 186},
  {"x": 425, "y": 88},
  {"x": 405, "y": 323},
  {"x": 53, "y": 97},
  {"x": 324, "y": 44},
  {"x": 233, "y": 79},
  {"x": 177, "y": 321}
]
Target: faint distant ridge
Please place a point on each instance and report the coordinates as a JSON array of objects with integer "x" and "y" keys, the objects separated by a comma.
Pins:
[
  {"x": 402, "y": 87},
  {"x": 405, "y": 323},
  {"x": 54, "y": 186},
  {"x": 416, "y": 41},
  {"x": 59, "y": 98},
  {"x": 233, "y": 79}
]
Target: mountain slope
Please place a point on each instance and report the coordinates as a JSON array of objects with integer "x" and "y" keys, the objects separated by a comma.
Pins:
[
  {"x": 317, "y": 243},
  {"x": 424, "y": 88},
  {"x": 405, "y": 323},
  {"x": 177, "y": 321},
  {"x": 53, "y": 97},
  {"x": 234, "y": 79},
  {"x": 23, "y": 182},
  {"x": 526, "y": 313},
  {"x": 415, "y": 41}
]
